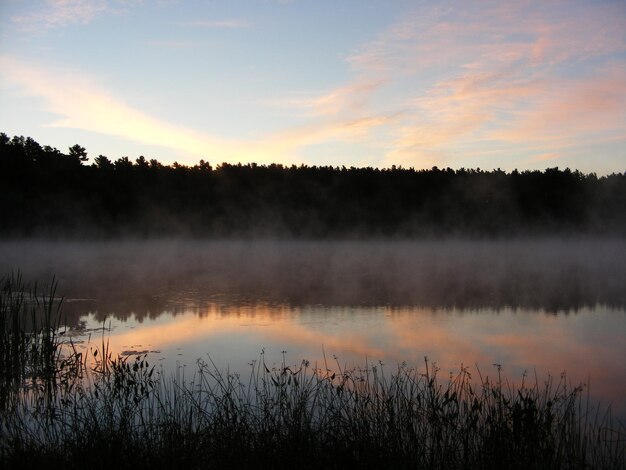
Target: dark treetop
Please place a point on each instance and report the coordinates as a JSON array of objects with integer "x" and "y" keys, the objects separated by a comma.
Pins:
[{"x": 49, "y": 193}]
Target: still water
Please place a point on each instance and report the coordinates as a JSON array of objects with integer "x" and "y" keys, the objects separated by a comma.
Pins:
[{"x": 535, "y": 307}]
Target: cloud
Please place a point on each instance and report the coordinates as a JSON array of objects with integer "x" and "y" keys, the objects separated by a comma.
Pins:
[
  {"x": 80, "y": 103},
  {"x": 544, "y": 157},
  {"x": 487, "y": 80},
  {"x": 343, "y": 114},
  {"x": 174, "y": 44},
  {"x": 506, "y": 74},
  {"x": 59, "y": 13},
  {"x": 570, "y": 110},
  {"x": 351, "y": 98},
  {"x": 220, "y": 24}
]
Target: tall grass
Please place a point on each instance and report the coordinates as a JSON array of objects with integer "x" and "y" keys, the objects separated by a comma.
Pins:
[
  {"x": 31, "y": 347},
  {"x": 123, "y": 412}
]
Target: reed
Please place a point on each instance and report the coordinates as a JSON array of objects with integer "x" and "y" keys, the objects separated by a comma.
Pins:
[
  {"x": 123, "y": 412},
  {"x": 32, "y": 347}
]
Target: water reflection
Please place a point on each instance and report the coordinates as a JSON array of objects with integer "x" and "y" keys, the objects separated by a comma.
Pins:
[
  {"x": 588, "y": 345},
  {"x": 544, "y": 305}
]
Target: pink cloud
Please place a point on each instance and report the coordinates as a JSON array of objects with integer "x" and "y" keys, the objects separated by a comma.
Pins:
[
  {"x": 502, "y": 72},
  {"x": 572, "y": 109}
]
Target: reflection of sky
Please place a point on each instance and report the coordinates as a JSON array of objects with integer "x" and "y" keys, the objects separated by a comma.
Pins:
[{"x": 589, "y": 344}]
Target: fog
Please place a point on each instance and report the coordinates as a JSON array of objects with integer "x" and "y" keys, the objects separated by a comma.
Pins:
[{"x": 555, "y": 275}]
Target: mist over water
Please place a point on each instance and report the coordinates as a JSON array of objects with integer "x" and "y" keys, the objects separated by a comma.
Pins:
[
  {"x": 551, "y": 274},
  {"x": 536, "y": 305}
]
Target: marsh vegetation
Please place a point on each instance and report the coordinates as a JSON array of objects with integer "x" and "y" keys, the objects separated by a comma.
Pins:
[{"x": 68, "y": 409}]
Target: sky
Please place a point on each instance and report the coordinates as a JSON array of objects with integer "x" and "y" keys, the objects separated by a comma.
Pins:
[{"x": 463, "y": 84}]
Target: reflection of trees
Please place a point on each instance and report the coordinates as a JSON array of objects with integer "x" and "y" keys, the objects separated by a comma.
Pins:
[
  {"x": 144, "y": 279},
  {"x": 293, "y": 302},
  {"x": 46, "y": 191}
]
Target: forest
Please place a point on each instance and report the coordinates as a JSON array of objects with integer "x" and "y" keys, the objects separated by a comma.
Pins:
[{"x": 48, "y": 193}]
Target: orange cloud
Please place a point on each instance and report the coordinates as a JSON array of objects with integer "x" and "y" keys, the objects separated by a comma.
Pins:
[
  {"x": 81, "y": 104},
  {"x": 544, "y": 157},
  {"x": 352, "y": 97}
]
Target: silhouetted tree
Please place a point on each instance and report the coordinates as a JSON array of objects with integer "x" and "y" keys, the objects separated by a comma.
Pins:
[
  {"x": 44, "y": 191},
  {"x": 103, "y": 163},
  {"x": 79, "y": 153}
]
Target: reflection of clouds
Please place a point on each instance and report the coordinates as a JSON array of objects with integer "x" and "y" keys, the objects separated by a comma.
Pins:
[
  {"x": 278, "y": 325},
  {"x": 533, "y": 341},
  {"x": 436, "y": 339},
  {"x": 519, "y": 340}
]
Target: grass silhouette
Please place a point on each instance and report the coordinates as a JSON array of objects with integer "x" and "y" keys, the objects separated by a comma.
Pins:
[{"x": 61, "y": 408}]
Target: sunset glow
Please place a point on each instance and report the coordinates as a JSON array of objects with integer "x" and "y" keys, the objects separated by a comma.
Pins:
[
  {"x": 522, "y": 341},
  {"x": 462, "y": 84}
]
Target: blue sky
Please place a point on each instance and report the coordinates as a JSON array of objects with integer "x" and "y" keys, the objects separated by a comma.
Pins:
[{"x": 489, "y": 84}]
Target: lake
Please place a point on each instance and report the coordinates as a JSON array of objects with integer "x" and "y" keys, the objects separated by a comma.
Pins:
[{"x": 534, "y": 307}]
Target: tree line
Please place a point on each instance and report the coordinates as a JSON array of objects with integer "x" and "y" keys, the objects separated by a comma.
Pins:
[{"x": 46, "y": 192}]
